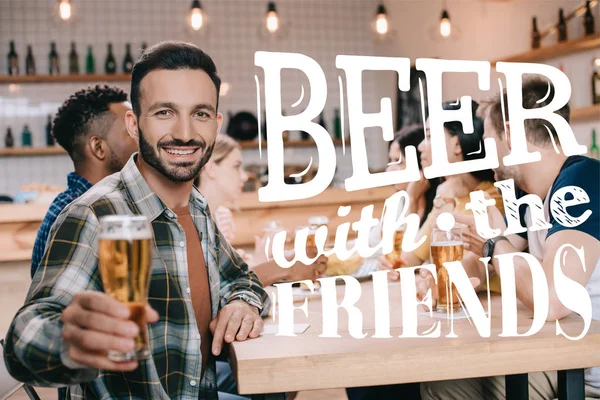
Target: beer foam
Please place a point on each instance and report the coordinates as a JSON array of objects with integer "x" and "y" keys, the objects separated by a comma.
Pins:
[
  {"x": 124, "y": 227},
  {"x": 125, "y": 234},
  {"x": 447, "y": 243}
]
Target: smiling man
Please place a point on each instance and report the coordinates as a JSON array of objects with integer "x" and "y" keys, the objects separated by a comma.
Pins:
[{"x": 199, "y": 284}]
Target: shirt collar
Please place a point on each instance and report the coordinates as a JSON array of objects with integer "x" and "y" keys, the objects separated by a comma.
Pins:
[
  {"x": 78, "y": 184},
  {"x": 145, "y": 199}
]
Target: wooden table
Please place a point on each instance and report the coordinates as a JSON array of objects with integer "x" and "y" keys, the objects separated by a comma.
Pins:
[{"x": 273, "y": 364}]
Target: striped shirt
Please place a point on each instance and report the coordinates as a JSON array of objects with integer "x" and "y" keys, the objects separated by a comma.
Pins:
[
  {"x": 76, "y": 186},
  {"x": 35, "y": 352},
  {"x": 225, "y": 222}
]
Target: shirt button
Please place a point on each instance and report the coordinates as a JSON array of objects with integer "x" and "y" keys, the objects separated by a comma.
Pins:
[
  {"x": 198, "y": 336},
  {"x": 188, "y": 290},
  {"x": 182, "y": 244},
  {"x": 169, "y": 214},
  {"x": 193, "y": 383}
]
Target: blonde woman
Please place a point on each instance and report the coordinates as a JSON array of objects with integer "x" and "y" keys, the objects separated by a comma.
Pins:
[{"x": 221, "y": 182}]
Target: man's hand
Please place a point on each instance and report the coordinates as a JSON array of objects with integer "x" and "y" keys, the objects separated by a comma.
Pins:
[
  {"x": 95, "y": 323},
  {"x": 237, "y": 320},
  {"x": 302, "y": 272},
  {"x": 424, "y": 281}
]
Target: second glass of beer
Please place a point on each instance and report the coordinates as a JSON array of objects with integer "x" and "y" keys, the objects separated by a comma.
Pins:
[
  {"x": 446, "y": 246},
  {"x": 124, "y": 259}
]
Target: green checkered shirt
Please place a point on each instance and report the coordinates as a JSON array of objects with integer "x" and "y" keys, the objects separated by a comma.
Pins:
[{"x": 35, "y": 352}]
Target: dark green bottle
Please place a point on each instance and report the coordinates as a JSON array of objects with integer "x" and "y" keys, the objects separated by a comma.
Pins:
[
  {"x": 13, "y": 60},
  {"x": 49, "y": 137},
  {"x": 588, "y": 20},
  {"x": 9, "y": 140},
  {"x": 337, "y": 124},
  {"x": 53, "y": 63},
  {"x": 128, "y": 60},
  {"x": 73, "y": 60},
  {"x": 29, "y": 62},
  {"x": 90, "y": 63},
  {"x": 110, "y": 65},
  {"x": 26, "y": 137},
  {"x": 562, "y": 26}
]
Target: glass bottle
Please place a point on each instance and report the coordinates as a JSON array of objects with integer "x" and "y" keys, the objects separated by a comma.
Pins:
[
  {"x": 13, "y": 60},
  {"x": 9, "y": 140},
  {"x": 53, "y": 63},
  {"x": 90, "y": 63},
  {"x": 73, "y": 60},
  {"x": 588, "y": 20},
  {"x": 594, "y": 151},
  {"x": 536, "y": 38},
  {"x": 26, "y": 137},
  {"x": 562, "y": 26},
  {"x": 110, "y": 65},
  {"x": 29, "y": 62},
  {"x": 128, "y": 60},
  {"x": 49, "y": 137}
]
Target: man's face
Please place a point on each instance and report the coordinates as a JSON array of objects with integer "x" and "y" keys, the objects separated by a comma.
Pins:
[
  {"x": 503, "y": 172},
  {"x": 178, "y": 122},
  {"x": 121, "y": 145}
]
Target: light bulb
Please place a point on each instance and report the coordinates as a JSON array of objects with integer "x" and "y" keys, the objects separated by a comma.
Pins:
[
  {"x": 382, "y": 24},
  {"x": 196, "y": 19},
  {"x": 445, "y": 26},
  {"x": 65, "y": 10},
  {"x": 272, "y": 21}
]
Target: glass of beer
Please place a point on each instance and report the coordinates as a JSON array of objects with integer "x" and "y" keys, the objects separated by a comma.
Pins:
[
  {"x": 124, "y": 259},
  {"x": 395, "y": 257},
  {"x": 310, "y": 238},
  {"x": 446, "y": 246}
]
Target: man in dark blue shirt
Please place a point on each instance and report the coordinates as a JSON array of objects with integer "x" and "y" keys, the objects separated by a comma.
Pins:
[
  {"x": 564, "y": 211},
  {"x": 90, "y": 126}
]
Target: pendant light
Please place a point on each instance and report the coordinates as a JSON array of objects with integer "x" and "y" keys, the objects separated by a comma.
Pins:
[
  {"x": 445, "y": 25},
  {"x": 272, "y": 19},
  {"x": 196, "y": 16},
  {"x": 381, "y": 20},
  {"x": 64, "y": 9}
]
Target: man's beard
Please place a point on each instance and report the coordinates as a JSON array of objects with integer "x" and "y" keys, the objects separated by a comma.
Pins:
[
  {"x": 175, "y": 174},
  {"x": 510, "y": 172}
]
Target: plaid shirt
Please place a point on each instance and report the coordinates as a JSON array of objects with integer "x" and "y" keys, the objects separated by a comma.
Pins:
[
  {"x": 35, "y": 352},
  {"x": 76, "y": 186}
]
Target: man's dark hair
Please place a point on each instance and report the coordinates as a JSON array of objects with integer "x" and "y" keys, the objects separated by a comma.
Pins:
[
  {"x": 171, "y": 55},
  {"x": 534, "y": 90},
  {"x": 85, "y": 112},
  {"x": 471, "y": 144}
]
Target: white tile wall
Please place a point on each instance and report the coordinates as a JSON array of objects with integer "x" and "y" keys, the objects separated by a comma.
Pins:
[{"x": 320, "y": 29}]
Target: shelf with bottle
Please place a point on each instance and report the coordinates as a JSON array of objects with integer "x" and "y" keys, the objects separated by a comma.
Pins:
[
  {"x": 560, "y": 49},
  {"x": 591, "y": 113},
  {"x": 75, "y": 74}
]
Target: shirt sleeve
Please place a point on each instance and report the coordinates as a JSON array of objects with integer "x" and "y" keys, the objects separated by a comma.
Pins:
[
  {"x": 237, "y": 280},
  {"x": 585, "y": 175},
  {"x": 35, "y": 352}
]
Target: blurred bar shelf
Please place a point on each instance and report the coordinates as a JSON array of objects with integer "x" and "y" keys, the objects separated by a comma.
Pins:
[
  {"x": 32, "y": 151},
  {"x": 591, "y": 113},
  {"x": 556, "y": 50},
  {"x": 253, "y": 144},
  {"x": 23, "y": 79}
]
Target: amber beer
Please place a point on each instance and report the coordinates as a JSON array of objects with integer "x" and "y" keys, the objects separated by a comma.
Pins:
[
  {"x": 446, "y": 246},
  {"x": 395, "y": 257},
  {"x": 124, "y": 253}
]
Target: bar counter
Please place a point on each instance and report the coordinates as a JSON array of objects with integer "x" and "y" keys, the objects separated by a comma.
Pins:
[{"x": 19, "y": 222}]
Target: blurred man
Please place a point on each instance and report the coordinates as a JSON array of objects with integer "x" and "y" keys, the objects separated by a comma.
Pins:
[
  {"x": 198, "y": 284},
  {"x": 543, "y": 179},
  {"x": 90, "y": 126}
]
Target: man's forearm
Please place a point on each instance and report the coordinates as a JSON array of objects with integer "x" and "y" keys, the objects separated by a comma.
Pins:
[{"x": 523, "y": 279}]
